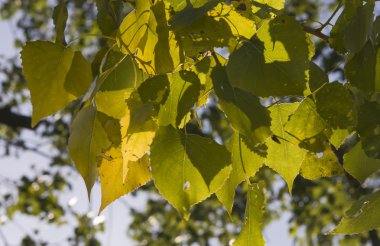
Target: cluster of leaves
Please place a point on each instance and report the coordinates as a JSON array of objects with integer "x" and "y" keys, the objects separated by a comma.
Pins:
[{"x": 135, "y": 102}]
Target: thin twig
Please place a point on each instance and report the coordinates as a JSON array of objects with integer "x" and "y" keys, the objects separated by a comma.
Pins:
[{"x": 331, "y": 17}]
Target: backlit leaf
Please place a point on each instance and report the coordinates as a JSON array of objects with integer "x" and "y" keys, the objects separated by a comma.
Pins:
[
  {"x": 254, "y": 213},
  {"x": 111, "y": 179},
  {"x": 46, "y": 67},
  {"x": 364, "y": 215},
  {"x": 145, "y": 32},
  {"x": 335, "y": 104},
  {"x": 369, "y": 128},
  {"x": 275, "y": 62},
  {"x": 315, "y": 167},
  {"x": 363, "y": 70},
  {"x": 358, "y": 164},
  {"x": 242, "y": 108},
  {"x": 195, "y": 167},
  {"x": 184, "y": 92},
  {"x": 305, "y": 121},
  {"x": 245, "y": 164},
  {"x": 87, "y": 142},
  {"x": 283, "y": 156}
]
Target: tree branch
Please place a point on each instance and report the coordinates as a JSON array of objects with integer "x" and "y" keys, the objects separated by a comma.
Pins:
[
  {"x": 317, "y": 33},
  {"x": 7, "y": 117}
]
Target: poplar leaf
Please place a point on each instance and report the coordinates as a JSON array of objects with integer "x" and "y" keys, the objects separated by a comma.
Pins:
[
  {"x": 48, "y": 69},
  {"x": 335, "y": 104},
  {"x": 87, "y": 142},
  {"x": 184, "y": 91},
  {"x": 195, "y": 166},
  {"x": 111, "y": 179},
  {"x": 364, "y": 215},
  {"x": 368, "y": 128},
  {"x": 112, "y": 103},
  {"x": 245, "y": 164},
  {"x": 145, "y": 33},
  {"x": 358, "y": 164},
  {"x": 315, "y": 167},
  {"x": 254, "y": 215},
  {"x": 275, "y": 62},
  {"x": 242, "y": 108},
  {"x": 305, "y": 121},
  {"x": 137, "y": 131},
  {"x": 284, "y": 156}
]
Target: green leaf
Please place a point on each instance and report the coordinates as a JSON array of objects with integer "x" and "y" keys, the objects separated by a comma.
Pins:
[
  {"x": 254, "y": 213},
  {"x": 245, "y": 164},
  {"x": 112, "y": 183},
  {"x": 317, "y": 77},
  {"x": 155, "y": 89},
  {"x": 112, "y": 103},
  {"x": 275, "y": 62},
  {"x": 284, "y": 156},
  {"x": 369, "y": 128},
  {"x": 353, "y": 27},
  {"x": 125, "y": 75},
  {"x": 187, "y": 168},
  {"x": 205, "y": 33},
  {"x": 335, "y": 104},
  {"x": 358, "y": 164},
  {"x": 204, "y": 70},
  {"x": 315, "y": 167},
  {"x": 338, "y": 136},
  {"x": 184, "y": 92},
  {"x": 49, "y": 69},
  {"x": 87, "y": 142},
  {"x": 79, "y": 77},
  {"x": 145, "y": 32},
  {"x": 60, "y": 15},
  {"x": 188, "y": 12},
  {"x": 242, "y": 108},
  {"x": 364, "y": 215},
  {"x": 363, "y": 70},
  {"x": 305, "y": 122},
  {"x": 105, "y": 21}
]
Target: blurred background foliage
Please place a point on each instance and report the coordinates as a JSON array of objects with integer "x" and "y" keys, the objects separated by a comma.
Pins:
[{"x": 315, "y": 206}]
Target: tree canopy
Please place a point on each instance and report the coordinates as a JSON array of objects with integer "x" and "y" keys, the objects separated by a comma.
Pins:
[{"x": 213, "y": 104}]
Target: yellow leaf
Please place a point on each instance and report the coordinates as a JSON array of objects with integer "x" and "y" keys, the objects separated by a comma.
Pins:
[{"x": 111, "y": 179}]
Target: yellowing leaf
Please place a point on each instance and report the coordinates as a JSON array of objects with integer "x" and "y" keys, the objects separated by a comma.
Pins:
[
  {"x": 112, "y": 103},
  {"x": 137, "y": 132},
  {"x": 314, "y": 167},
  {"x": 144, "y": 31},
  {"x": 111, "y": 179},
  {"x": 187, "y": 168},
  {"x": 50, "y": 69},
  {"x": 245, "y": 164},
  {"x": 239, "y": 24},
  {"x": 87, "y": 142},
  {"x": 254, "y": 213}
]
